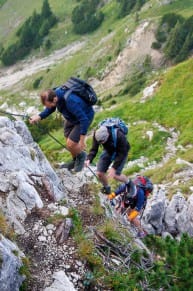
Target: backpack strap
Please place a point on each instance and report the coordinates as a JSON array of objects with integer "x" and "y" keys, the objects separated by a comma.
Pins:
[
  {"x": 67, "y": 94},
  {"x": 114, "y": 135},
  {"x": 68, "y": 86}
]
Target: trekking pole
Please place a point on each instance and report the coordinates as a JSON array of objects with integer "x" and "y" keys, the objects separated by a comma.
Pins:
[
  {"x": 94, "y": 174},
  {"x": 56, "y": 140},
  {"x": 14, "y": 114},
  {"x": 141, "y": 216},
  {"x": 53, "y": 137}
]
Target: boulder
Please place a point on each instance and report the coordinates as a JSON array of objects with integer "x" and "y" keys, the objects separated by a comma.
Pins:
[
  {"x": 164, "y": 217},
  {"x": 166, "y": 234},
  {"x": 154, "y": 212},
  {"x": 23, "y": 167},
  {"x": 10, "y": 263},
  {"x": 189, "y": 215},
  {"x": 173, "y": 210},
  {"x": 61, "y": 283}
]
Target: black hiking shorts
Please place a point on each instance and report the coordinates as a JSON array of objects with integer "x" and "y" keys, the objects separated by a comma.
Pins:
[
  {"x": 72, "y": 131},
  {"x": 105, "y": 161}
]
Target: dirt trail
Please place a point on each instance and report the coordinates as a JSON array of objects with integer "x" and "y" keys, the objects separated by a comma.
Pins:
[{"x": 12, "y": 75}]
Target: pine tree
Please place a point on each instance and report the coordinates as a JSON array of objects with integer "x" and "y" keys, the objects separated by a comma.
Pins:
[
  {"x": 86, "y": 17},
  {"x": 174, "y": 42},
  {"x": 185, "y": 50},
  {"x": 46, "y": 10}
]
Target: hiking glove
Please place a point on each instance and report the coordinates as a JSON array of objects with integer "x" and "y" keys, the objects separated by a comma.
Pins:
[
  {"x": 111, "y": 196},
  {"x": 133, "y": 214}
]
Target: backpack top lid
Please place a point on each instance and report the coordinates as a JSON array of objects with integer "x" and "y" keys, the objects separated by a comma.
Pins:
[
  {"x": 115, "y": 122},
  {"x": 144, "y": 183}
]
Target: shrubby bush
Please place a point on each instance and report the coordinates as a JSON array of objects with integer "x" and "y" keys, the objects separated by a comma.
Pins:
[
  {"x": 135, "y": 84},
  {"x": 156, "y": 45},
  {"x": 37, "y": 82},
  {"x": 172, "y": 268}
]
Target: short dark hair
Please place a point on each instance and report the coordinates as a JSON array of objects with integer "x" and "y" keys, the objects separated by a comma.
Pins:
[{"x": 47, "y": 96}]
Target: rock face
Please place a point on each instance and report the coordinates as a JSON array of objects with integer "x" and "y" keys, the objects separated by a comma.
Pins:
[
  {"x": 154, "y": 213},
  {"x": 23, "y": 170},
  {"x": 10, "y": 262},
  {"x": 61, "y": 283},
  {"x": 29, "y": 188},
  {"x": 174, "y": 217}
]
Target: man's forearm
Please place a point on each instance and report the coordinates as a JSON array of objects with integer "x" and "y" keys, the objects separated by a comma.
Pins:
[{"x": 46, "y": 112}]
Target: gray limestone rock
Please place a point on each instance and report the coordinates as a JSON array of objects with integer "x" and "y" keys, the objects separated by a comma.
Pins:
[
  {"x": 155, "y": 210},
  {"x": 174, "y": 217},
  {"x": 22, "y": 167},
  {"x": 61, "y": 283},
  {"x": 173, "y": 210},
  {"x": 189, "y": 215},
  {"x": 10, "y": 263},
  {"x": 166, "y": 234}
]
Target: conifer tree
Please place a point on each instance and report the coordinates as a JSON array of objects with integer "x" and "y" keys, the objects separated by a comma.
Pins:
[
  {"x": 174, "y": 42},
  {"x": 46, "y": 10}
]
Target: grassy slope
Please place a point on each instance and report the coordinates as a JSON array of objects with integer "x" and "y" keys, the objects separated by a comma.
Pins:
[{"x": 171, "y": 106}]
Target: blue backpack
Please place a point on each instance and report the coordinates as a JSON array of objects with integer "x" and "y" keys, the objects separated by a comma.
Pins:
[{"x": 114, "y": 124}]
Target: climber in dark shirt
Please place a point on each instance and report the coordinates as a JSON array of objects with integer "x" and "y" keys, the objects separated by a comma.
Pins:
[{"x": 116, "y": 154}]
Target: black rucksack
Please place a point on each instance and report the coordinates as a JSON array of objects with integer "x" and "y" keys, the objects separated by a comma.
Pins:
[{"x": 80, "y": 88}]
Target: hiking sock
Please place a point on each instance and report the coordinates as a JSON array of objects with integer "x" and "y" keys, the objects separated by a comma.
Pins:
[{"x": 79, "y": 162}]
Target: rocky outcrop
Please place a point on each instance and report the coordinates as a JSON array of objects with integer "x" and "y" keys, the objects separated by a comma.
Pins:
[
  {"x": 30, "y": 191},
  {"x": 154, "y": 213},
  {"x": 61, "y": 283},
  {"x": 10, "y": 263},
  {"x": 174, "y": 217},
  {"x": 24, "y": 170}
]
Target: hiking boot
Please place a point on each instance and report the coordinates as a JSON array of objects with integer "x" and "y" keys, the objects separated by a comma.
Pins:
[
  {"x": 79, "y": 162},
  {"x": 141, "y": 234},
  {"x": 68, "y": 166},
  {"x": 106, "y": 190}
]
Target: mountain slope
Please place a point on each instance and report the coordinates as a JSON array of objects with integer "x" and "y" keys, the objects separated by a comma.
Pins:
[{"x": 118, "y": 60}]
